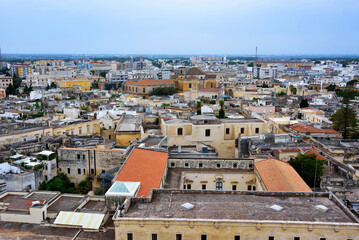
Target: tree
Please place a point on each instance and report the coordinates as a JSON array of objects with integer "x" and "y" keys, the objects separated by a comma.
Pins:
[
  {"x": 221, "y": 113},
  {"x": 199, "y": 108},
  {"x": 94, "y": 84},
  {"x": 331, "y": 87},
  {"x": 293, "y": 89},
  {"x": 163, "y": 91},
  {"x": 304, "y": 103},
  {"x": 344, "y": 119},
  {"x": 309, "y": 168},
  {"x": 99, "y": 191},
  {"x": 53, "y": 85},
  {"x": 59, "y": 183},
  {"x": 84, "y": 187},
  {"x": 103, "y": 74},
  {"x": 281, "y": 93},
  {"x": 251, "y": 64}
]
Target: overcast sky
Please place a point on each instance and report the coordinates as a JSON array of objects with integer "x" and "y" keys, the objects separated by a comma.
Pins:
[{"x": 180, "y": 26}]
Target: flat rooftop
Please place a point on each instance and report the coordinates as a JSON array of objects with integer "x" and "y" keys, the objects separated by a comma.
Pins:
[
  {"x": 232, "y": 205},
  {"x": 66, "y": 203},
  {"x": 93, "y": 206},
  {"x": 11, "y": 230}
]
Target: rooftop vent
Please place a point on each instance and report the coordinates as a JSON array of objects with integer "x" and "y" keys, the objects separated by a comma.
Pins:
[
  {"x": 276, "y": 207},
  {"x": 321, "y": 208},
  {"x": 187, "y": 206}
]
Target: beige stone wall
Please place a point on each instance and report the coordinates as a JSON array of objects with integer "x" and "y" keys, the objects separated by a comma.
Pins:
[
  {"x": 80, "y": 129},
  {"x": 25, "y": 136},
  {"x": 124, "y": 139},
  {"x": 241, "y": 180},
  {"x": 219, "y": 139},
  {"x": 226, "y": 230}
]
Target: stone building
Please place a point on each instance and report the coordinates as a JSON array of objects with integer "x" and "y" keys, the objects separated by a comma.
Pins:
[
  {"x": 212, "y": 215},
  {"x": 193, "y": 79},
  {"x": 209, "y": 130},
  {"x": 88, "y": 163},
  {"x": 144, "y": 87}
]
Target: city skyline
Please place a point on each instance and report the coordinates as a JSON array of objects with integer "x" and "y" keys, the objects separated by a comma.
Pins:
[{"x": 181, "y": 27}]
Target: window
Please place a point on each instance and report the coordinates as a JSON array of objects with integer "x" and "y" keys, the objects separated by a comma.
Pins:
[
  {"x": 154, "y": 236},
  {"x": 129, "y": 236},
  {"x": 237, "y": 237},
  {"x": 68, "y": 171},
  {"x": 186, "y": 165},
  {"x": 189, "y": 186},
  {"x": 204, "y": 187},
  {"x": 92, "y": 171},
  {"x": 254, "y": 188},
  {"x": 208, "y": 132},
  {"x": 218, "y": 165},
  {"x": 219, "y": 185},
  {"x": 235, "y": 165},
  {"x": 211, "y": 85},
  {"x": 271, "y": 238},
  {"x": 190, "y": 85},
  {"x": 84, "y": 171},
  {"x": 242, "y": 130},
  {"x": 249, "y": 188},
  {"x": 109, "y": 137},
  {"x": 79, "y": 170},
  {"x": 144, "y": 90},
  {"x": 234, "y": 187},
  {"x": 323, "y": 239},
  {"x": 227, "y": 130},
  {"x": 200, "y": 165},
  {"x": 179, "y": 131},
  {"x": 296, "y": 238},
  {"x": 257, "y": 130},
  {"x": 203, "y": 237},
  {"x": 172, "y": 164},
  {"x": 178, "y": 236}
]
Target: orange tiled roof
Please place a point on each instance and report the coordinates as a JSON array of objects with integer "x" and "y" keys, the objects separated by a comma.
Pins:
[
  {"x": 280, "y": 176},
  {"x": 319, "y": 156},
  {"x": 144, "y": 166},
  {"x": 304, "y": 128},
  {"x": 152, "y": 82},
  {"x": 195, "y": 71}
]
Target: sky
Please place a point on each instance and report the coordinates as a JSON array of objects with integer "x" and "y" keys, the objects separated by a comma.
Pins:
[{"x": 221, "y": 27}]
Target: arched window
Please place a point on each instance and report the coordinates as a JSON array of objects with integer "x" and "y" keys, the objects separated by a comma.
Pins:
[{"x": 219, "y": 185}]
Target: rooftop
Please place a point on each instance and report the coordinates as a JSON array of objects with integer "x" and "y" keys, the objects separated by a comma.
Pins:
[
  {"x": 66, "y": 203},
  {"x": 280, "y": 176},
  {"x": 144, "y": 166},
  {"x": 152, "y": 82},
  {"x": 240, "y": 206}
]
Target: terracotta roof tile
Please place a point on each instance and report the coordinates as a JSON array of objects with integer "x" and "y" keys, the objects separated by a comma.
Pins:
[
  {"x": 280, "y": 176},
  {"x": 144, "y": 166},
  {"x": 319, "y": 156},
  {"x": 152, "y": 82},
  {"x": 304, "y": 128},
  {"x": 195, "y": 71}
]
